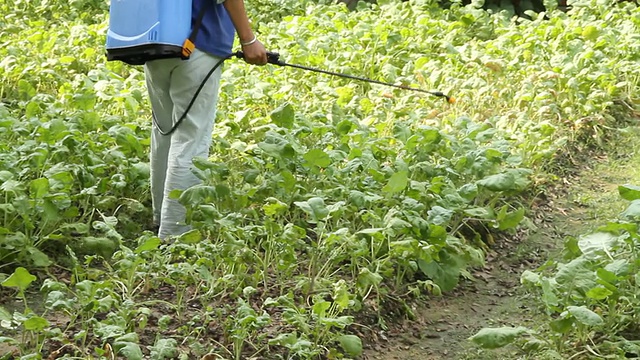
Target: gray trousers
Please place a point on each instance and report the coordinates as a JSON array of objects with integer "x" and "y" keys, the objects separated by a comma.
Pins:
[{"x": 171, "y": 84}]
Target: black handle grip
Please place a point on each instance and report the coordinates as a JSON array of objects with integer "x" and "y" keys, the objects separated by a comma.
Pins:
[{"x": 272, "y": 57}]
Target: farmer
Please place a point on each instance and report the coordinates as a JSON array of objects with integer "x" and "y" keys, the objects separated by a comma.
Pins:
[{"x": 171, "y": 84}]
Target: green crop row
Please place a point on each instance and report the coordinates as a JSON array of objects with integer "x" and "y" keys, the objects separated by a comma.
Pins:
[{"x": 324, "y": 201}]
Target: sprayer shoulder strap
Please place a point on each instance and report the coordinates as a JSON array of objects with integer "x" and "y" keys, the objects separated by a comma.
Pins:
[{"x": 190, "y": 43}]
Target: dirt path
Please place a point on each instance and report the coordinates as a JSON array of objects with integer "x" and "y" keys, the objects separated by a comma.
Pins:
[{"x": 495, "y": 298}]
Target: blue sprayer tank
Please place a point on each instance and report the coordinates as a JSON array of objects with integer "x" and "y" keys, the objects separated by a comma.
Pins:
[{"x": 142, "y": 30}]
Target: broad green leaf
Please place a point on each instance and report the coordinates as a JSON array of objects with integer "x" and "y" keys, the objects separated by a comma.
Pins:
[
  {"x": 397, "y": 182},
  {"x": 397, "y": 223},
  {"x": 509, "y": 180},
  {"x": 198, "y": 194},
  {"x": 619, "y": 267},
  {"x": 368, "y": 278},
  {"x": 102, "y": 246},
  {"x": 335, "y": 207},
  {"x": 39, "y": 188},
  {"x": 607, "y": 275},
  {"x": 422, "y": 61},
  {"x": 21, "y": 279},
  {"x": 128, "y": 337},
  {"x": 285, "y": 339},
  {"x": 345, "y": 94},
  {"x": 35, "y": 323},
  {"x": 344, "y": 127},
  {"x": 339, "y": 322},
  {"x": 549, "y": 296},
  {"x": 468, "y": 191},
  {"x": 633, "y": 211},
  {"x": 106, "y": 303},
  {"x": 274, "y": 207},
  {"x": 78, "y": 228},
  {"x": 314, "y": 207},
  {"x": 499, "y": 182},
  {"x": 511, "y": 220},
  {"x": 585, "y": 316},
  {"x": 401, "y": 131},
  {"x": 618, "y": 227},
  {"x": 288, "y": 180},
  {"x": 439, "y": 215},
  {"x": 320, "y": 307},
  {"x": 190, "y": 237},
  {"x": 445, "y": 273},
  {"x": 134, "y": 205},
  {"x": 164, "y": 349},
  {"x": 283, "y": 116},
  {"x": 57, "y": 300},
  {"x": 67, "y": 59},
  {"x": 430, "y": 136},
  {"x": 576, "y": 275},
  {"x": 293, "y": 233},
  {"x": 37, "y": 257},
  {"x": 130, "y": 350},
  {"x": 60, "y": 181},
  {"x": 175, "y": 194},
  {"x": 480, "y": 212},
  {"x": 151, "y": 243},
  {"x": 351, "y": 344},
  {"x": 317, "y": 157},
  {"x": 251, "y": 175},
  {"x": 494, "y": 338},
  {"x": 562, "y": 325},
  {"x": 4, "y": 339},
  {"x": 590, "y": 32},
  {"x": 493, "y": 154},
  {"x": 437, "y": 234},
  {"x": 529, "y": 277},
  {"x": 629, "y": 347},
  {"x": 594, "y": 243},
  {"x": 279, "y": 150},
  {"x": 341, "y": 295},
  {"x": 629, "y": 192},
  {"x": 599, "y": 293}
]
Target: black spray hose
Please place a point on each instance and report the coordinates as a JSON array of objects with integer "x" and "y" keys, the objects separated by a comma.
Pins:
[{"x": 274, "y": 59}]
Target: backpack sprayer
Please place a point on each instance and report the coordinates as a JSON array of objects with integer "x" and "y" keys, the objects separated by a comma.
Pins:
[{"x": 165, "y": 32}]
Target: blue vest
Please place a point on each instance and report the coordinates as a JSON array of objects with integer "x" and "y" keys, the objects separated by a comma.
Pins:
[{"x": 217, "y": 32}]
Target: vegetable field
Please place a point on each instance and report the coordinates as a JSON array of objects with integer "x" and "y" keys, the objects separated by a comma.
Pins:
[{"x": 327, "y": 206}]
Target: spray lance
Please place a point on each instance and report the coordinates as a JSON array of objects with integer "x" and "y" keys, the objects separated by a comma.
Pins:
[{"x": 274, "y": 59}]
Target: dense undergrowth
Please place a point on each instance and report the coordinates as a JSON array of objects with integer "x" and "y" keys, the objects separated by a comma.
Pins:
[{"x": 323, "y": 199}]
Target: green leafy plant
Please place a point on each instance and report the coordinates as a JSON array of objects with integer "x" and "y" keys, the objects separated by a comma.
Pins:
[
  {"x": 324, "y": 200},
  {"x": 30, "y": 325},
  {"x": 589, "y": 295}
]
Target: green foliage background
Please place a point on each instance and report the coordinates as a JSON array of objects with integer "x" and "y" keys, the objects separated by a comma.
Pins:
[{"x": 323, "y": 198}]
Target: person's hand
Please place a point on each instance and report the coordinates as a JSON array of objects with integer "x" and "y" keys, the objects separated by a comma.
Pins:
[{"x": 255, "y": 53}]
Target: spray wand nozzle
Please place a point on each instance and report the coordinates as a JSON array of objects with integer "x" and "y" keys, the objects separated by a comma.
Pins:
[{"x": 274, "y": 58}]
